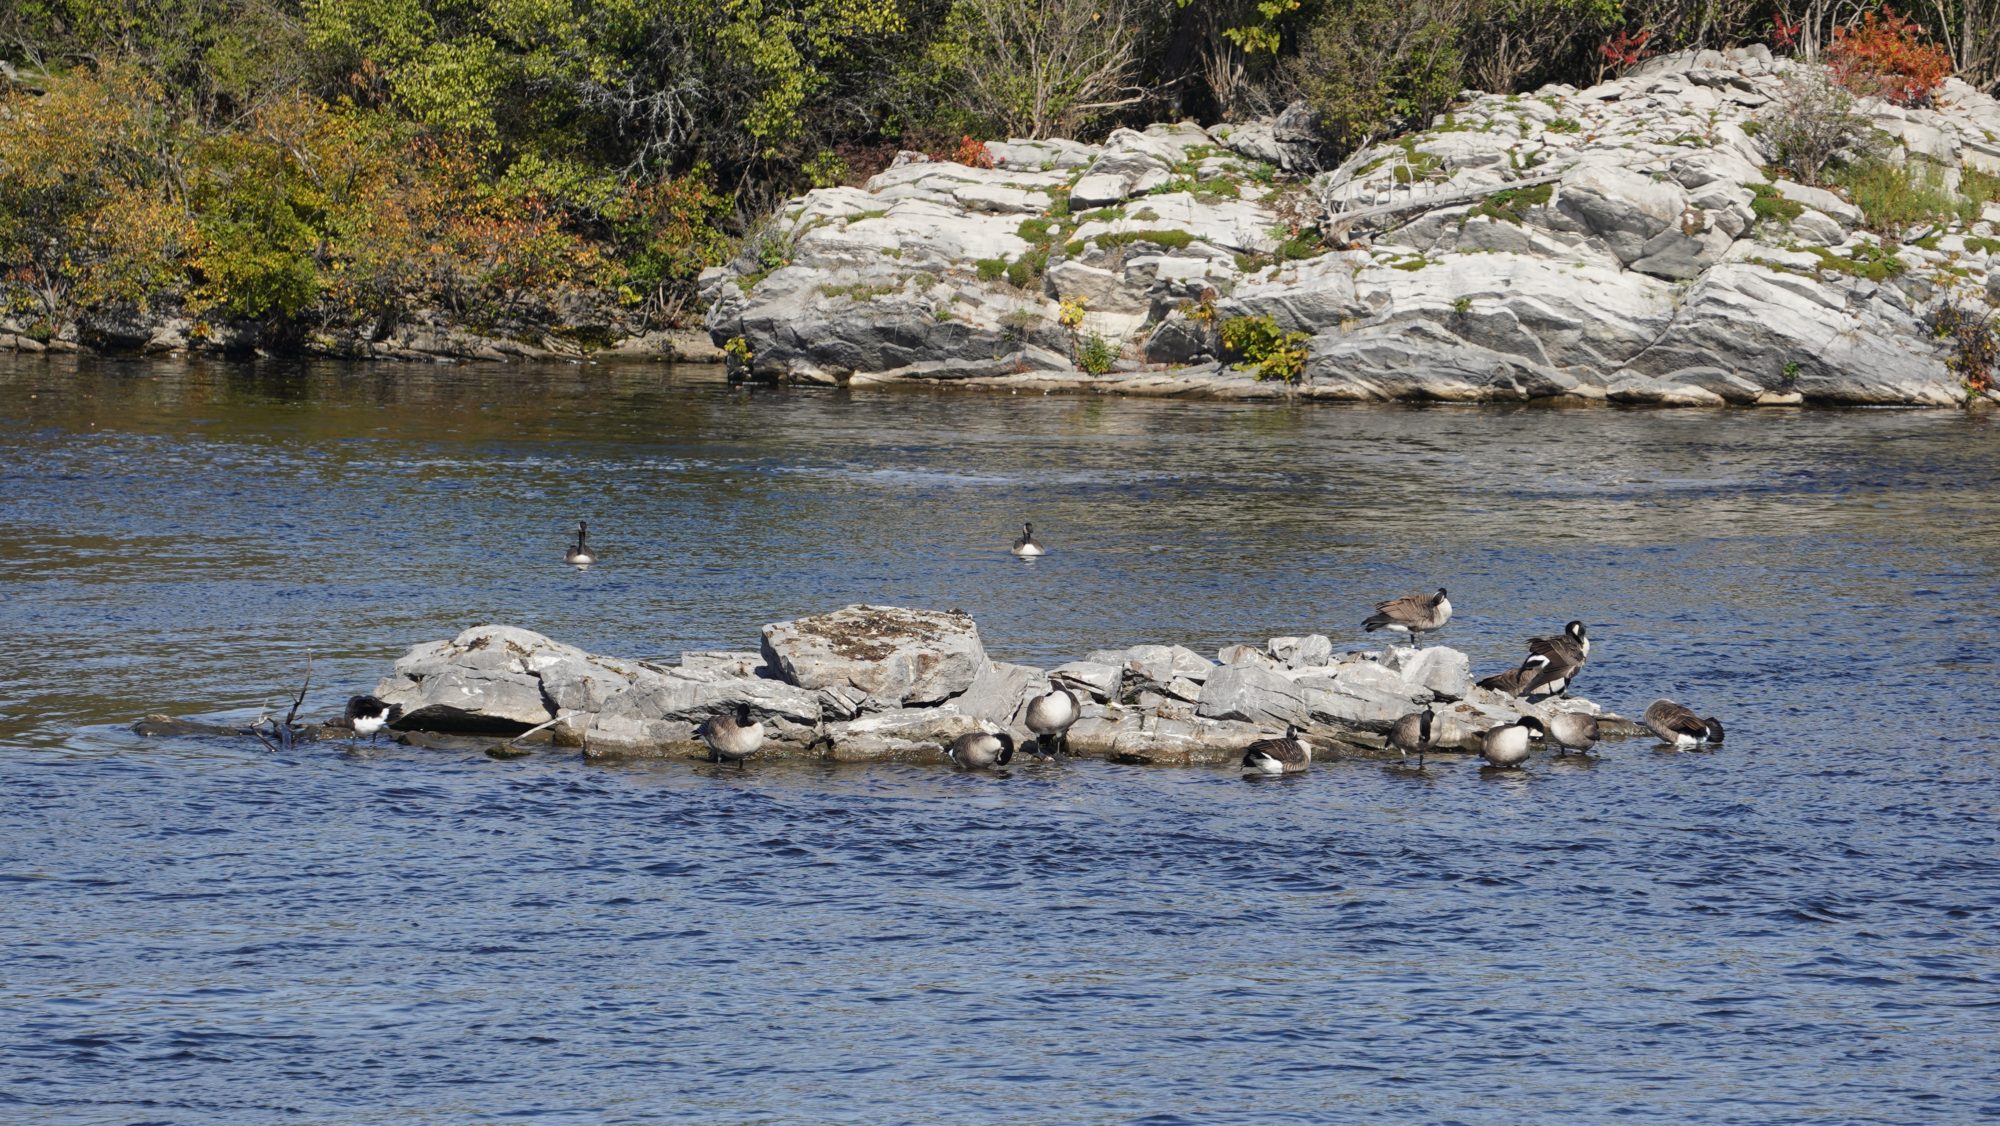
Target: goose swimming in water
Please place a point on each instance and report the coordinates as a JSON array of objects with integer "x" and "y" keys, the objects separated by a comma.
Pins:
[
  {"x": 732, "y": 738},
  {"x": 1680, "y": 726},
  {"x": 1413, "y": 735},
  {"x": 1411, "y": 614},
  {"x": 369, "y": 715},
  {"x": 1573, "y": 731},
  {"x": 1026, "y": 547},
  {"x": 1290, "y": 755},
  {"x": 1050, "y": 716},
  {"x": 579, "y": 555},
  {"x": 1507, "y": 745},
  {"x": 978, "y": 750}
]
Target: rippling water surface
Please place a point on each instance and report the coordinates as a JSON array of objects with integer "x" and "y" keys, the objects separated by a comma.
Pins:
[{"x": 1799, "y": 927}]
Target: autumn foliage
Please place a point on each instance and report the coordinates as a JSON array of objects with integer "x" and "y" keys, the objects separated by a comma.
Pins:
[{"x": 1885, "y": 55}]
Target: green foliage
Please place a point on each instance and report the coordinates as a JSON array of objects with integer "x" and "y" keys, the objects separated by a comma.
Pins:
[
  {"x": 1369, "y": 67},
  {"x": 1095, "y": 354},
  {"x": 1896, "y": 197},
  {"x": 1172, "y": 240},
  {"x": 1983, "y": 245},
  {"x": 859, "y": 291},
  {"x": 1025, "y": 271},
  {"x": 1270, "y": 351},
  {"x": 1766, "y": 203},
  {"x": 1511, "y": 205},
  {"x": 1565, "y": 125},
  {"x": 1980, "y": 186},
  {"x": 1868, "y": 261},
  {"x": 990, "y": 269},
  {"x": 1035, "y": 232}
]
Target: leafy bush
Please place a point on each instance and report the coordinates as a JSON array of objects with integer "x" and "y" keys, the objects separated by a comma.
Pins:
[
  {"x": 1095, "y": 354},
  {"x": 990, "y": 269},
  {"x": 1766, "y": 203},
  {"x": 1885, "y": 56},
  {"x": 1896, "y": 197},
  {"x": 1974, "y": 339},
  {"x": 1368, "y": 68},
  {"x": 1265, "y": 348}
]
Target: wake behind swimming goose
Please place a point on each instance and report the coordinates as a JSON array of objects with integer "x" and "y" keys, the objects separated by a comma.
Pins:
[
  {"x": 1027, "y": 547},
  {"x": 1413, "y": 735},
  {"x": 732, "y": 737},
  {"x": 1050, "y": 716},
  {"x": 368, "y": 715},
  {"x": 1680, "y": 726},
  {"x": 1289, "y": 755},
  {"x": 979, "y": 750},
  {"x": 579, "y": 554},
  {"x": 1411, "y": 615},
  {"x": 1507, "y": 745},
  {"x": 1573, "y": 731}
]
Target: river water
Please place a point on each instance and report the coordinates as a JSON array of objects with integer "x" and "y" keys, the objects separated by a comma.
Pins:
[{"x": 1800, "y": 926}]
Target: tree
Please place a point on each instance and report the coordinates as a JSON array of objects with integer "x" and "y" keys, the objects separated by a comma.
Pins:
[{"x": 1038, "y": 68}]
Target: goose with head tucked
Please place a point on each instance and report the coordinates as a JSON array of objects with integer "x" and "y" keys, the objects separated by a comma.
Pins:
[
  {"x": 1289, "y": 755},
  {"x": 1507, "y": 745},
  {"x": 732, "y": 736},
  {"x": 1573, "y": 731},
  {"x": 981, "y": 750},
  {"x": 1049, "y": 716},
  {"x": 1027, "y": 547},
  {"x": 368, "y": 715},
  {"x": 579, "y": 554},
  {"x": 1411, "y": 615},
  {"x": 1514, "y": 682},
  {"x": 1680, "y": 726}
]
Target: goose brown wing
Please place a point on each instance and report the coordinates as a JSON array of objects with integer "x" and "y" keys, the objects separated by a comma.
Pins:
[
  {"x": 1560, "y": 661},
  {"x": 1513, "y": 682},
  {"x": 1675, "y": 718},
  {"x": 1287, "y": 751}
]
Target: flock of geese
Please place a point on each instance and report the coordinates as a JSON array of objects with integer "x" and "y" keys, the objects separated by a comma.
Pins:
[{"x": 1550, "y": 668}]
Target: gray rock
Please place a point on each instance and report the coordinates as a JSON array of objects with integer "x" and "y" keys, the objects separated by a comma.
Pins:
[
  {"x": 1252, "y": 695},
  {"x": 1157, "y": 663},
  {"x": 999, "y": 694},
  {"x": 1246, "y": 655},
  {"x": 1301, "y": 652},
  {"x": 913, "y": 656},
  {"x": 1441, "y": 671},
  {"x": 920, "y": 734},
  {"x": 1131, "y": 736},
  {"x": 1101, "y": 680}
]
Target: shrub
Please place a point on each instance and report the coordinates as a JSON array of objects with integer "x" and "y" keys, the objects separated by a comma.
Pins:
[
  {"x": 1974, "y": 341},
  {"x": 1270, "y": 351},
  {"x": 1025, "y": 270},
  {"x": 1565, "y": 125},
  {"x": 1095, "y": 354},
  {"x": 1511, "y": 205},
  {"x": 1885, "y": 56},
  {"x": 1812, "y": 123},
  {"x": 972, "y": 153},
  {"x": 1896, "y": 197},
  {"x": 990, "y": 269},
  {"x": 1368, "y": 68},
  {"x": 1766, "y": 203}
]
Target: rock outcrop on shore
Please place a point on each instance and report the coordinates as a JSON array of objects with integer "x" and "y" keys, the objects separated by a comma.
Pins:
[
  {"x": 870, "y": 682},
  {"x": 1622, "y": 243}
]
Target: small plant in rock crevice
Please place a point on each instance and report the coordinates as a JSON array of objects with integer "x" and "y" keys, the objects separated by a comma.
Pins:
[
  {"x": 1974, "y": 342},
  {"x": 1267, "y": 349}
]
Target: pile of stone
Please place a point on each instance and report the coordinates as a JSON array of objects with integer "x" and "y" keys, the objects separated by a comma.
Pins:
[
  {"x": 877, "y": 682},
  {"x": 1621, "y": 243}
]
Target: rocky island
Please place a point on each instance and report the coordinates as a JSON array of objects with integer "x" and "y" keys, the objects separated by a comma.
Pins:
[
  {"x": 870, "y": 683},
  {"x": 1629, "y": 243}
]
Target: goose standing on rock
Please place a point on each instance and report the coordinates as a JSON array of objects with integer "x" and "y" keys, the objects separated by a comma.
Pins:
[
  {"x": 1507, "y": 745},
  {"x": 1558, "y": 659},
  {"x": 1290, "y": 755},
  {"x": 1026, "y": 547},
  {"x": 1413, "y": 735},
  {"x": 1411, "y": 614},
  {"x": 1573, "y": 731},
  {"x": 1681, "y": 727},
  {"x": 732, "y": 738},
  {"x": 1050, "y": 716},
  {"x": 1514, "y": 682},
  {"x": 579, "y": 555},
  {"x": 368, "y": 715},
  {"x": 979, "y": 750}
]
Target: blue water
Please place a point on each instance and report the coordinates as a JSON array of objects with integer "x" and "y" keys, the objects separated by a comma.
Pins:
[{"x": 1798, "y": 927}]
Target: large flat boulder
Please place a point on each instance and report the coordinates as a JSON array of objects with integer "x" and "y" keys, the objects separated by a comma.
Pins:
[{"x": 888, "y": 652}]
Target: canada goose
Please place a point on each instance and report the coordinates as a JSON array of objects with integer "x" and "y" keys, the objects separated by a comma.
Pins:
[
  {"x": 1560, "y": 659},
  {"x": 978, "y": 750},
  {"x": 732, "y": 738},
  {"x": 1681, "y": 727},
  {"x": 1049, "y": 717},
  {"x": 1413, "y": 735},
  {"x": 1573, "y": 731},
  {"x": 1026, "y": 547},
  {"x": 1412, "y": 614},
  {"x": 1507, "y": 745},
  {"x": 1514, "y": 681},
  {"x": 369, "y": 715},
  {"x": 1289, "y": 755},
  {"x": 580, "y": 555}
]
